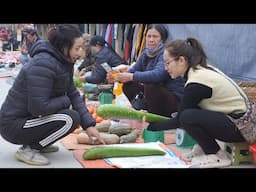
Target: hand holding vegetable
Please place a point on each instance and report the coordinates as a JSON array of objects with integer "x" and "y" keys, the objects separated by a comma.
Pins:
[
  {"x": 94, "y": 135},
  {"x": 81, "y": 75},
  {"x": 124, "y": 77},
  {"x": 111, "y": 76},
  {"x": 144, "y": 122}
]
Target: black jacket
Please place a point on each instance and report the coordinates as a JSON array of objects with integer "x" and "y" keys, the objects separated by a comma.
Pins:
[
  {"x": 44, "y": 86},
  {"x": 98, "y": 72}
]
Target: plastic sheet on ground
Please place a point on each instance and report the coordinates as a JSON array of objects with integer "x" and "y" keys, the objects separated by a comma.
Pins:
[{"x": 169, "y": 160}]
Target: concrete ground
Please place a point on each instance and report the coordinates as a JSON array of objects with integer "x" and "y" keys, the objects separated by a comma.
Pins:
[{"x": 61, "y": 159}]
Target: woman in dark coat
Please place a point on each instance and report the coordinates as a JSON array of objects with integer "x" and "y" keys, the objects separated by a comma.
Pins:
[
  {"x": 148, "y": 79},
  {"x": 103, "y": 53},
  {"x": 37, "y": 110}
]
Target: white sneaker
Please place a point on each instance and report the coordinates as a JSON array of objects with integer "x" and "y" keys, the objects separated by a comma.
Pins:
[
  {"x": 220, "y": 159},
  {"x": 31, "y": 156},
  {"x": 196, "y": 151}
]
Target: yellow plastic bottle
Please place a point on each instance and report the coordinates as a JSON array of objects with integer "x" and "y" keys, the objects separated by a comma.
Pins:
[{"x": 118, "y": 89}]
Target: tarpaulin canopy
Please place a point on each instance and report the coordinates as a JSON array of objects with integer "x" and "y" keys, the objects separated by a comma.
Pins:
[{"x": 230, "y": 47}]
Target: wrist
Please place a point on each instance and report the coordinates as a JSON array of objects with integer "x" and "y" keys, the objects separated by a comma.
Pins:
[{"x": 131, "y": 77}]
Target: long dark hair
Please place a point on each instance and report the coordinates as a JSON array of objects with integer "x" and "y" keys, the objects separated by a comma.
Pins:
[{"x": 62, "y": 37}]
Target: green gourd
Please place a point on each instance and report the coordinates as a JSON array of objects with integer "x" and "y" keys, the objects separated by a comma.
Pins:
[
  {"x": 119, "y": 112},
  {"x": 100, "y": 152}
]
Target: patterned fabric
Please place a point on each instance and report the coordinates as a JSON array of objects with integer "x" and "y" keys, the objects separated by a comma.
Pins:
[{"x": 247, "y": 123}]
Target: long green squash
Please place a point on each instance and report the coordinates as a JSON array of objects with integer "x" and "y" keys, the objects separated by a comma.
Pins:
[
  {"x": 118, "y": 112},
  {"x": 100, "y": 152}
]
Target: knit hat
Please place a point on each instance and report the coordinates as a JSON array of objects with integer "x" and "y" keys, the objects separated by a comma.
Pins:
[{"x": 97, "y": 40}]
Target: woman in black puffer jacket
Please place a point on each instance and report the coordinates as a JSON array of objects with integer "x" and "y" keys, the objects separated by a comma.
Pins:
[{"x": 36, "y": 112}]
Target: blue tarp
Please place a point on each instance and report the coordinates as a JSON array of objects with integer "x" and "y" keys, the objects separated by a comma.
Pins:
[{"x": 229, "y": 47}]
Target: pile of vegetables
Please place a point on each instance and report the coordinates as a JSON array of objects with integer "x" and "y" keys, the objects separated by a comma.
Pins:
[
  {"x": 117, "y": 133},
  {"x": 110, "y": 133}
]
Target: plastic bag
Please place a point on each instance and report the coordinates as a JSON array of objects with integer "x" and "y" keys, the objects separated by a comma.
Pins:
[{"x": 139, "y": 102}]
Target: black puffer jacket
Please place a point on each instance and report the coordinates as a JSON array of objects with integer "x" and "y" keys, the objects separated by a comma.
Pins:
[
  {"x": 98, "y": 72},
  {"x": 44, "y": 86}
]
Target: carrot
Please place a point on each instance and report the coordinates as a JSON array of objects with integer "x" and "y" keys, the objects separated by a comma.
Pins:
[{"x": 99, "y": 119}]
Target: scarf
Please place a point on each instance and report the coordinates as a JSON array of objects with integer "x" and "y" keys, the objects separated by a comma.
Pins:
[{"x": 153, "y": 52}]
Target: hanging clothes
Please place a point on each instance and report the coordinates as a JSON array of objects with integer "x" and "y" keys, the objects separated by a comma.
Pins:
[
  {"x": 143, "y": 41},
  {"x": 134, "y": 40},
  {"x": 119, "y": 40},
  {"x": 128, "y": 44}
]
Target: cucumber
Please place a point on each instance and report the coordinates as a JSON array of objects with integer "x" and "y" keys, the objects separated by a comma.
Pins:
[
  {"x": 119, "y": 112},
  {"x": 100, "y": 152}
]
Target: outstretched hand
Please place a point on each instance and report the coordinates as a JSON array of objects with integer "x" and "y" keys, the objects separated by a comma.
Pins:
[
  {"x": 124, "y": 77},
  {"x": 110, "y": 77},
  {"x": 94, "y": 135},
  {"x": 144, "y": 119},
  {"x": 81, "y": 75}
]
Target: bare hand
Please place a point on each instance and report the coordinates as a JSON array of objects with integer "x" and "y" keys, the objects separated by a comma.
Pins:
[
  {"x": 144, "y": 119},
  {"x": 110, "y": 77},
  {"x": 124, "y": 77},
  {"x": 94, "y": 135},
  {"x": 81, "y": 75}
]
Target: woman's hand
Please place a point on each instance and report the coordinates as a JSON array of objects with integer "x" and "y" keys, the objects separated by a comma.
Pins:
[
  {"x": 81, "y": 75},
  {"x": 111, "y": 76},
  {"x": 124, "y": 77},
  {"x": 144, "y": 122},
  {"x": 94, "y": 135}
]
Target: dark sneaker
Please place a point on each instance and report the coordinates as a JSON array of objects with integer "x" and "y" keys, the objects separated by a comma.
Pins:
[{"x": 50, "y": 149}]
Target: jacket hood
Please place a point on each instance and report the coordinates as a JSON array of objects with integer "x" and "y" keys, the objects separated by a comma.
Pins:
[{"x": 44, "y": 46}]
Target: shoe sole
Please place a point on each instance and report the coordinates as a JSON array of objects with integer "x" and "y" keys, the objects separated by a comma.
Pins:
[
  {"x": 190, "y": 157},
  {"x": 21, "y": 158},
  {"x": 49, "y": 150},
  {"x": 216, "y": 165},
  {"x": 202, "y": 163}
]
